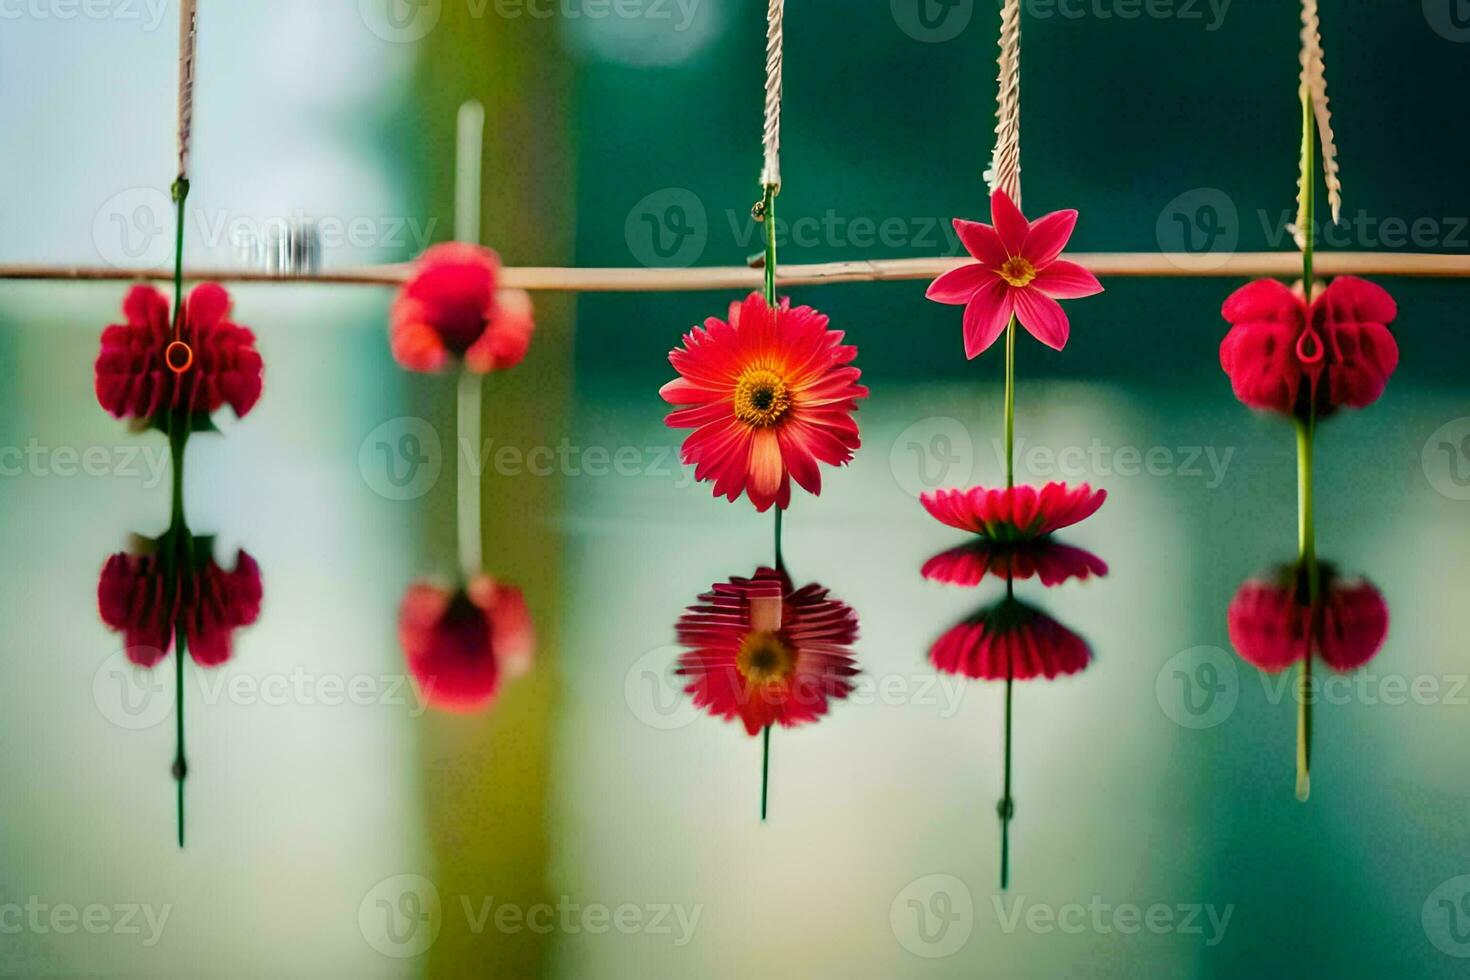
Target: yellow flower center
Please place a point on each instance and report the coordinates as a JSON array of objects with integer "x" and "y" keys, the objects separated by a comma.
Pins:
[
  {"x": 764, "y": 658},
  {"x": 761, "y": 397},
  {"x": 1017, "y": 271}
]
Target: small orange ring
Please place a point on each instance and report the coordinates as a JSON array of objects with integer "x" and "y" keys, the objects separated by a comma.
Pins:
[{"x": 169, "y": 358}]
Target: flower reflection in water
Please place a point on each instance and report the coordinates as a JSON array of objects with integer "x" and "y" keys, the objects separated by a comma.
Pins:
[
  {"x": 1010, "y": 640},
  {"x": 1274, "y": 624},
  {"x": 462, "y": 644},
  {"x": 172, "y": 584},
  {"x": 765, "y": 653}
]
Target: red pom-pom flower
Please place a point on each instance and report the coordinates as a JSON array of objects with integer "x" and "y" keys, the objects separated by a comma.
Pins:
[
  {"x": 134, "y": 381},
  {"x": 1282, "y": 355},
  {"x": 769, "y": 394},
  {"x": 766, "y": 654},
  {"x": 1019, "y": 513},
  {"x": 452, "y": 308},
  {"x": 1272, "y": 626},
  {"x": 1010, "y": 640},
  {"x": 460, "y": 644},
  {"x": 174, "y": 582},
  {"x": 1017, "y": 272}
]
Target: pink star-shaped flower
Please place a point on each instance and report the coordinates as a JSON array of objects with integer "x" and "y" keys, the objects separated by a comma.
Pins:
[{"x": 1017, "y": 272}]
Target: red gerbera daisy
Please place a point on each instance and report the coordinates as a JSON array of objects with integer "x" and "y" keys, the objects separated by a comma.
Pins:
[
  {"x": 1280, "y": 353},
  {"x": 460, "y": 644},
  {"x": 451, "y": 309},
  {"x": 1271, "y": 621},
  {"x": 173, "y": 583},
  {"x": 1044, "y": 558},
  {"x": 1010, "y": 640},
  {"x": 1014, "y": 513},
  {"x": 766, "y": 654},
  {"x": 133, "y": 380},
  {"x": 770, "y": 394}
]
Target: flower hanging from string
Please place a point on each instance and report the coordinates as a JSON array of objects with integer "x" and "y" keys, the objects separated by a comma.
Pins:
[
  {"x": 453, "y": 309},
  {"x": 462, "y": 644},
  {"x": 1287, "y": 356},
  {"x": 134, "y": 380},
  {"x": 770, "y": 394},
  {"x": 1017, "y": 273}
]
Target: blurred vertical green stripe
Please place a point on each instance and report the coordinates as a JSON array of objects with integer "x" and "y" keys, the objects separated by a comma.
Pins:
[{"x": 486, "y": 778}]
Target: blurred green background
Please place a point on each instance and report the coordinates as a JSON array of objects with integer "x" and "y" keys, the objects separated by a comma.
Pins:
[{"x": 628, "y": 134}]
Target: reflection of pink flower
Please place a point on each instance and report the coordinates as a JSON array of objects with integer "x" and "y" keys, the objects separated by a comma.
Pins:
[
  {"x": 770, "y": 395},
  {"x": 139, "y": 598},
  {"x": 1270, "y": 621},
  {"x": 1017, "y": 272},
  {"x": 1279, "y": 351},
  {"x": 766, "y": 654},
  {"x": 1043, "y": 558},
  {"x": 452, "y": 308},
  {"x": 1015, "y": 513},
  {"x": 133, "y": 380},
  {"x": 460, "y": 644},
  {"x": 1010, "y": 640}
]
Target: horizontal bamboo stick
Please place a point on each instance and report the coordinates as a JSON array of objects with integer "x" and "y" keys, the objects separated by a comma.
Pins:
[{"x": 1242, "y": 265}]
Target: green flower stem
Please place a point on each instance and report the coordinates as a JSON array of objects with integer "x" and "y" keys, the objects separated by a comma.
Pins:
[
  {"x": 768, "y": 216},
  {"x": 765, "y": 768},
  {"x": 1007, "y": 806},
  {"x": 1010, "y": 411},
  {"x": 1305, "y": 435}
]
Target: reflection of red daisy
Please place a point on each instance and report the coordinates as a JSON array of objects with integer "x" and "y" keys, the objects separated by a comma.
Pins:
[
  {"x": 460, "y": 644},
  {"x": 1015, "y": 513},
  {"x": 769, "y": 395},
  {"x": 174, "y": 583},
  {"x": 1044, "y": 558},
  {"x": 766, "y": 654},
  {"x": 1010, "y": 640},
  {"x": 1270, "y": 621},
  {"x": 451, "y": 308},
  {"x": 133, "y": 380}
]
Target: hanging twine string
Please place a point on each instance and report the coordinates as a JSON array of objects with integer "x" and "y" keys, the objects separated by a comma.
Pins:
[
  {"x": 1314, "y": 86},
  {"x": 188, "y": 34},
  {"x": 1005, "y": 166},
  {"x": 771, "y": 172}
]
